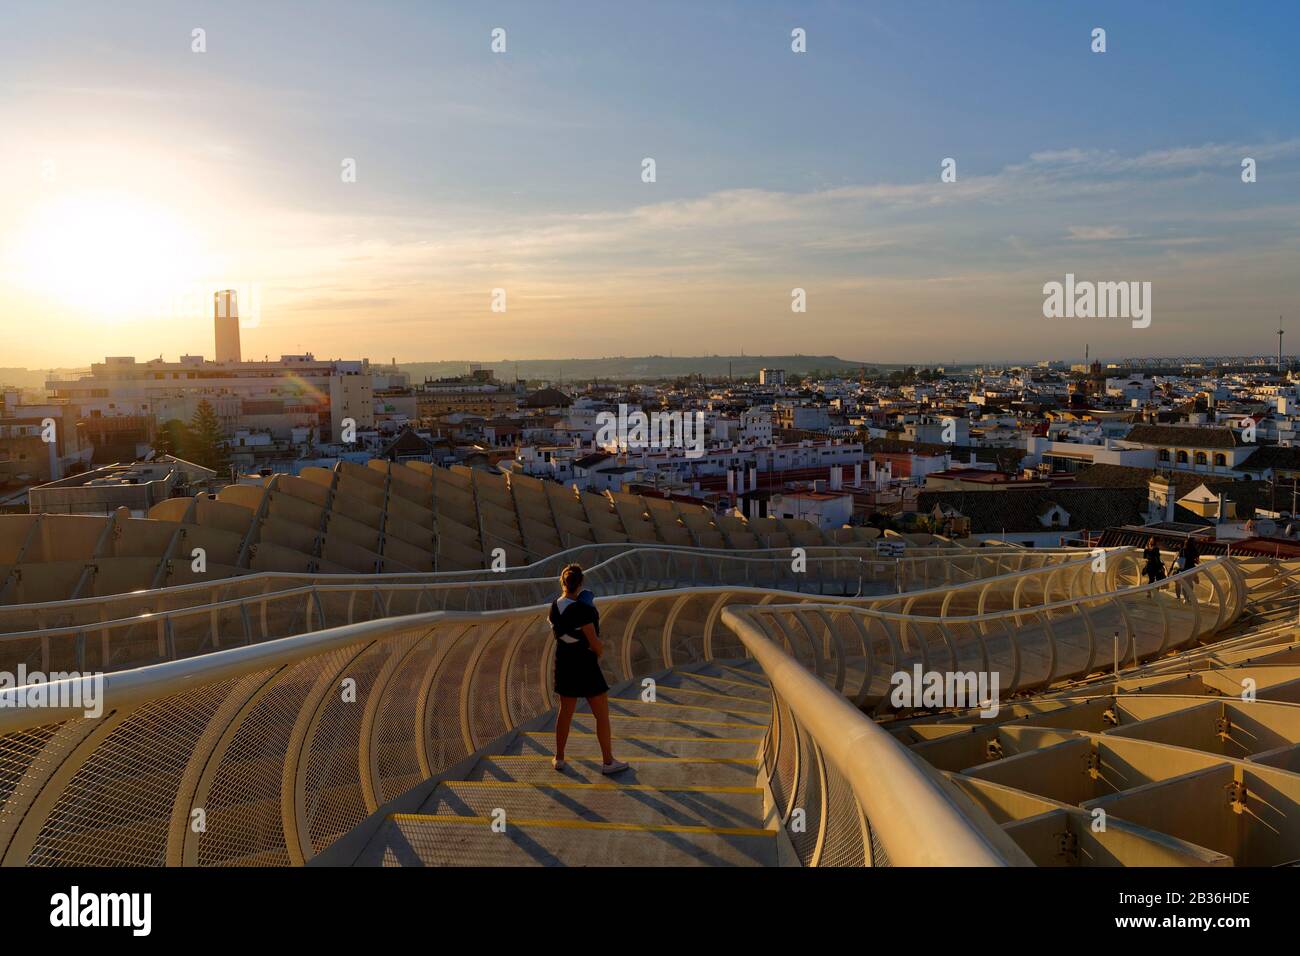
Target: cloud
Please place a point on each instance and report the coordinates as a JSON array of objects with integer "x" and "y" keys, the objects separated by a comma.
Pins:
[{"x": 1099, "y": 233}]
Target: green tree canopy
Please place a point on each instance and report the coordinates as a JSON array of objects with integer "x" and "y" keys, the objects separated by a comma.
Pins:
[
  {"x": 207, "y": 444},
  {"x": 171, "y": 438}
]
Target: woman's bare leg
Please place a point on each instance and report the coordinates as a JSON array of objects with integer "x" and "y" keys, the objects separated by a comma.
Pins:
[
  {"x": 600, "y": 710},
  {"x": 563, "y": 718}
]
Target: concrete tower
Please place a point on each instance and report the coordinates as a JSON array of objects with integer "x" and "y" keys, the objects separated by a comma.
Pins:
[{"x": 225, "y": 316}]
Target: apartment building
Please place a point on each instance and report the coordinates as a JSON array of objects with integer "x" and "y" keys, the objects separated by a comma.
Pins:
[{"x": 278, "y": 396}]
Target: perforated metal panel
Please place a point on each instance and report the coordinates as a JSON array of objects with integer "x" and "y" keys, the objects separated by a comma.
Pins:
[
  {"x": 281, "y": 765},
  {"x": 808, "y": 799},
  {"x": 117, "y": 809},
  {"x": 843, "y": 840}
]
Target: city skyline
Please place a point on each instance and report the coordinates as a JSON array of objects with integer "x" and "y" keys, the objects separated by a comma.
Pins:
[{"x": 146, "y": 176}]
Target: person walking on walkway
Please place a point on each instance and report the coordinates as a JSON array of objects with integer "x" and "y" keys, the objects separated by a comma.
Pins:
[
  {"x": 1188, "y": 558},
  {"x": 1155, "y": 566},
  {"x": 577, "y": 668}
]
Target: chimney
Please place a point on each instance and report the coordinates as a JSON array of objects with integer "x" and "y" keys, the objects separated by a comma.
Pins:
[
  {"x": 225, "y": 317},
  {"x": 55, "y": 471},
  {"x": 857, "y": 475},
  {"x": 731, "y": 482},
  {"x": 837, "y": 478}
]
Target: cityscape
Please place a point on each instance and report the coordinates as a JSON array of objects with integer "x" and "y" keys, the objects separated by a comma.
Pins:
[{"x": 914, "y": 487}]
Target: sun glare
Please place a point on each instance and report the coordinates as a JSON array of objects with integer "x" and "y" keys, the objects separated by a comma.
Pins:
[{"x": 112, "y": 257}]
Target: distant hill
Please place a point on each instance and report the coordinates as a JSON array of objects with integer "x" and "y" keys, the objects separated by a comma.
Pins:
[
  {"x": 638, "y": 367},
  {"x": 34, "y": 377}
]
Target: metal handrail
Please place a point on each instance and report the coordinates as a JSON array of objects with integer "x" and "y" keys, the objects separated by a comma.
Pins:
[
  {"x": 259, "y": 738},
  {"x": 884, "y": 642},
  {"x": 835, "y": 575},
  {"x": 922, "y": 819},
  {"x": 582, "y": 554}
]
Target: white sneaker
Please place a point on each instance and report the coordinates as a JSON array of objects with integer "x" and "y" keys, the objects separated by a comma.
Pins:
[
  {"x": 617, "y": 766},
  {"x": 557, "y": 763}
]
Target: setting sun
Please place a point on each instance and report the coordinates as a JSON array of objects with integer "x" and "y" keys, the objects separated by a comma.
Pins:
[{"x": 111, "y": 256}]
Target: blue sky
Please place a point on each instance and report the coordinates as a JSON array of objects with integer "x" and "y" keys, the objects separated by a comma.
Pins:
[{"x": 775, "y": 170}]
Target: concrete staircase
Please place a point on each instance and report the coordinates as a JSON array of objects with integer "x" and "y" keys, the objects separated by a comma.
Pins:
[{"x": 691, "y": 798}]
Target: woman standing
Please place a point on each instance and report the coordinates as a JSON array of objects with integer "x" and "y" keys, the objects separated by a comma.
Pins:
[
  {"x": 577, "y": 668},
  {"x": 1188, "y": 558},
  {"x": 1154, "y": 568}
]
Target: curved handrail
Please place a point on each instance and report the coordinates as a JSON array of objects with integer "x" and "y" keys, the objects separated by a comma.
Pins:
[
  {"x": 154, "y": 636},
  {"x": 264, "y": 741},
  {"x": 589, "y": 555},
  {"x": 1025, "y": 648},
  {"x": 920, "y": 817}
]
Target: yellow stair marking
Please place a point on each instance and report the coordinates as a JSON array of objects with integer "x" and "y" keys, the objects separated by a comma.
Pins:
[
  {"x": 584, "y": 825},
  {"x": 745, "y": 761},
  {"x": 712, "y": 740},
  {"x": 754, "y": 676},
  {"x": 721, "y": 680},
  {"x": 705, "y": 693},
  {"x": 693, "y": 723},
  {"x": 668, "y": 703},
  {"x": 570, "y": 785}
]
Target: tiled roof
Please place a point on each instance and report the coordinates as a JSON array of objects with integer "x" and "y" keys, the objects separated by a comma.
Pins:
[
  {"x": 1272, "y": 456},
  {"x": 591, "y": 461},
  {"x": 1248, "y": 494},
  {"x": 547, "y": 398},
  {"x": 1186, "y": 436},
  {"x": 1019, "y": 510}
]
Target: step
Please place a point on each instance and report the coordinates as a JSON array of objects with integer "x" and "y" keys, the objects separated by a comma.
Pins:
[
  {"x": 423, "y": 840},
  {"x": 724, "y": 703},
  {"x": 655, "y": 771},
  {"x": 671, "y": 710},
  {"x": 740, "y": 668},
  {"x": 625, "y": 725},
  {"x": 630, "y": 747},
  {"x": 619, "y": 802},
  {"x": 731, "y": 687}
]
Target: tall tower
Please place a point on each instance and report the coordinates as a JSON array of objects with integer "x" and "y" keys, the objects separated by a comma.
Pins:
[
  {"x": 225, "y": 317},
  {"x": 1279, "y": 345}
]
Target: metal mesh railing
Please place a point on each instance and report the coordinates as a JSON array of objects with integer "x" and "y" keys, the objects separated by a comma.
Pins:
[
  {"x": 615, "y": 563},
  {"x": 825, "y": 761},
  {"x": 981, "y": 579},
  {"x": 846, "y": 792},
  {"x": 265, "y": 754},
  {"x": 858, "y": 648}
]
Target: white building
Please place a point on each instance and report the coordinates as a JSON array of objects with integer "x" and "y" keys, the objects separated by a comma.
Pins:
[
  {"x": 756, "y": 425},
  {"x": 825, "y": 509}
]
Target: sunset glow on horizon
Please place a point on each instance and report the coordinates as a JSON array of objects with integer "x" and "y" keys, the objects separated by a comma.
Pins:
[{"x": 143, "y": 176}]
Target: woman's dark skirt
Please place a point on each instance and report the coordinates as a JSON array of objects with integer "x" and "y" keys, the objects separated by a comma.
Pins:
[{"x": 577, "y": 671}]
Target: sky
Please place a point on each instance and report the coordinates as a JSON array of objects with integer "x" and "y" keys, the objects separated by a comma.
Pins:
[{"x": 141, "y": 176}]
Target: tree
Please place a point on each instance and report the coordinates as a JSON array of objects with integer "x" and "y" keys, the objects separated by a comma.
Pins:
[
  {"x": 207, "y": 445},
  {"x": 172, "y": 438}
]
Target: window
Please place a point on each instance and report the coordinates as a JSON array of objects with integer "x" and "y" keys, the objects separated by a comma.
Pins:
[
  {"x": 1164, "y": 454},
  {"x": 1182, "y": 458},
  {"x": 1220, "y": 459},
  {"x": 1201, "y": 458}
]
